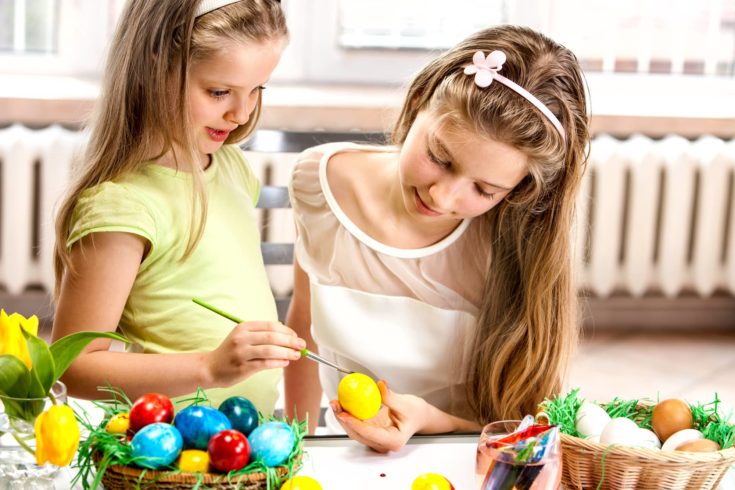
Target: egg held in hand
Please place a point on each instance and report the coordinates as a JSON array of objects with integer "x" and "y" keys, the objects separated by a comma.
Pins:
[
  {"x": 359, "y": 395},
  {"x": 670, "y": 416}
]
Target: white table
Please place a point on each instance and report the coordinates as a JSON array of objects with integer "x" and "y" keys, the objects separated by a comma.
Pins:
[{"x": 339, "y": 463}]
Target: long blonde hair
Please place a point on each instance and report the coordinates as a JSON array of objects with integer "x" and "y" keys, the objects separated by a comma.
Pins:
[
  {"x": 143, "y": 111},
  {"x": 527, "y": 325}
]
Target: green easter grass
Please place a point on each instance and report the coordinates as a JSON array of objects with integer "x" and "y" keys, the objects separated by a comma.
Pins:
[
  {"x": 562, "y": 411},
  {"x": 101, "y": 449}
]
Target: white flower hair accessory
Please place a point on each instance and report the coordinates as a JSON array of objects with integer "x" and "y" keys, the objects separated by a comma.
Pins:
[{"x": 486, "y": 70}]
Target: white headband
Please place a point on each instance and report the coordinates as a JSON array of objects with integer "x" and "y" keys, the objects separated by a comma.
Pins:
[
  {"x": 486, "y": 70},
  {"x": 209, "y": 5}
]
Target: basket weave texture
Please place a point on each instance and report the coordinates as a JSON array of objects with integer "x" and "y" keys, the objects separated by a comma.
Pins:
[
  {"x": 639, "y": 468},
  {"x": 118, "y": 477}
]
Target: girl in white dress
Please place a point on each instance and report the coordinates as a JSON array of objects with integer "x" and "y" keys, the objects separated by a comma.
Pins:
[{"x": 441, "y": 264}]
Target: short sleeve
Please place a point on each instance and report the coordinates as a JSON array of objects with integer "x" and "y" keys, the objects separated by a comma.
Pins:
[{"x": 111, "y": 207}]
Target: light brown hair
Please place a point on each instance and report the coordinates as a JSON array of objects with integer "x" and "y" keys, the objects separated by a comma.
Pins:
[
  {"x": 527, "y": 325},
  {"x": 143, "y": 113}
]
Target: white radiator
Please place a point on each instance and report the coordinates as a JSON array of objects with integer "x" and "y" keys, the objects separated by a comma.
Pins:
[{"x": 655, "y": 217}]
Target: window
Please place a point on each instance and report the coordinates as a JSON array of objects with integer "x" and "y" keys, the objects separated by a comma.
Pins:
[
  {"x": 384, "y": 41},
  {"x": 28, "y": 26},
  {"x": 55, "y": 37}
]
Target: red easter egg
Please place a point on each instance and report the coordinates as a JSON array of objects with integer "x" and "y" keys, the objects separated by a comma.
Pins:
[
  {"x": 228, "y": 450},
  {"x": 149, "y": 409}
]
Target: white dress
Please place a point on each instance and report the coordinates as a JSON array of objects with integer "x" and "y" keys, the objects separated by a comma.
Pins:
[{"x": 403, "y": 315}]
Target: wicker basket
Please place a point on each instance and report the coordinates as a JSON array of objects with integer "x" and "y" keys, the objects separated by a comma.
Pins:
[
  {"x": 119, "y": 477},
  {"x": 626, "y": 468}
]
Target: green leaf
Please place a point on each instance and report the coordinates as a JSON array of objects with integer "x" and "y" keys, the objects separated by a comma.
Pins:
[
  {"x": 15, "y": 377},
  {"x": 66, "y": 349},
  {"x": 43, "y": 363}
]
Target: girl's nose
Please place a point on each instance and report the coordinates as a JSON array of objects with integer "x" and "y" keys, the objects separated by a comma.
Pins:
[
  {"x": 446, "y": 193},
  {"x": 240, "y": 112}
]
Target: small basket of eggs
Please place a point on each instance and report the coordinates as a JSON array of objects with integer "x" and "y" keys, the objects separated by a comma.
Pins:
[{"x": 635, "y": 444}]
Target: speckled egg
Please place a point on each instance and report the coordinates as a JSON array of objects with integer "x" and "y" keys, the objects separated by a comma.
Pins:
[
  {"x": 272, "y": 442},
  {"x": 156, "y": 445},
  {"x": 198, "y": 424}
]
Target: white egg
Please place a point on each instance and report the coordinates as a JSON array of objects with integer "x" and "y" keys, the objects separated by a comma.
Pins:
[
  {"x": 647, "y": 438},
  {"x": 593, "y": 439},
  {"x": 620, "y": 431},
  {"x": 591, "y": 419},
  {"x": 678, "y": 438}
]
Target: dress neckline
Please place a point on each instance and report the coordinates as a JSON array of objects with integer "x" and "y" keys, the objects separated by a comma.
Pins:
[{"x": 359, "y": 234}]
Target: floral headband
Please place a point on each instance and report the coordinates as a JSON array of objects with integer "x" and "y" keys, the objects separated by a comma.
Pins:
[
  {"x": 486, "y": 70},
  {"x": 206, "y": 6}
]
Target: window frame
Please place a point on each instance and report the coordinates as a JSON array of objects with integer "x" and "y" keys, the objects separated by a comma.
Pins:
[{"x": 81, "y": 44}]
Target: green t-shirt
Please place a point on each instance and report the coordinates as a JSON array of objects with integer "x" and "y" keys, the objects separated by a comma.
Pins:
[{"x": 226, "y": 268}]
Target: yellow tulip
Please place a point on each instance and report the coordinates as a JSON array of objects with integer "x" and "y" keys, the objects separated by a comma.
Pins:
[
  {"x": 11, "y": 338},
  {"x": 57, "y": 436}
]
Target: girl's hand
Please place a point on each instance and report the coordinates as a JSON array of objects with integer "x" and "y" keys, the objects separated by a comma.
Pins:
[
  {"x": 251, "y": 347},
  {"x": 400, "y": 417}
]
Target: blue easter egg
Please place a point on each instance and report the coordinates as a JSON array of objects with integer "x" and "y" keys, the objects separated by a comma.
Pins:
[
  {"x": 198, "y": 424},
  {"x": 156, "y": 445},
  {"x": 241, "y": 412},
  {"x": 272, "y": 443}
]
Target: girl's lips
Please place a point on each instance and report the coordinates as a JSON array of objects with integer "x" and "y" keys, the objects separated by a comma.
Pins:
[
  {"x": 217, "y": 135},
  {"x": 423, "y": 208}
]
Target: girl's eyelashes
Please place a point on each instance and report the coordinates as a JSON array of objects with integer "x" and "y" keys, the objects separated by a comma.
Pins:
[
  {"x": 218, "y": 93},
  {"x": 437, "y": 160},
  {"x": 222, "y": 93},
  {"x": 489, "y": 195},
  {"x": 446, "y": 164}
]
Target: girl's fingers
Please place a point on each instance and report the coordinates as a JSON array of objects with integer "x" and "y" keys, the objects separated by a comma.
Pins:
[
  {"x": 272, "y": 352},
  {"x": 268, "y": 326},
  {"x": 274, "y": 338}
]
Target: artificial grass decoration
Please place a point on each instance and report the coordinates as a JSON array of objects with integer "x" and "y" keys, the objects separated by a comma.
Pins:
[
  {"x": 562, "y": 411},
  {"x": 100, "y": 450}
]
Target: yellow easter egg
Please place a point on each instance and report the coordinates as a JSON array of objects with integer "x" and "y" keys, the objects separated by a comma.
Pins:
[
  {"x": 301, "y": 483},
  {"x": 119, "y": 423},
  {"x": 194, "y": 460},
  {"x": 431, "y": 481},
  {"x": 359, "y": 395}
]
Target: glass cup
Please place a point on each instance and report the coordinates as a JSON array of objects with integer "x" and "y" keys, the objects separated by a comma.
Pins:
[
  {"x": 18, "y": 468},
  {"x": 498, "y": 470}
]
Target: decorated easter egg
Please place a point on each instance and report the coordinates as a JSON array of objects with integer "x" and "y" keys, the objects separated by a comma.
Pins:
[
  {"x": 118, "y": 423},
  {"x": 431, "y": 481},
  {"x": 149, "y": 409},
  {"x": 156, "y": 445},
  {"x": 198, "y": 424},
  {"x": 359, "y": 395},
  {"x": 272, "y": 443},
  {"x": 301, "y": 483},
  {"x": 228, "y": 450},
  {"x": 241, "y": 412},
  {"x": 194, "y": 460}
]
